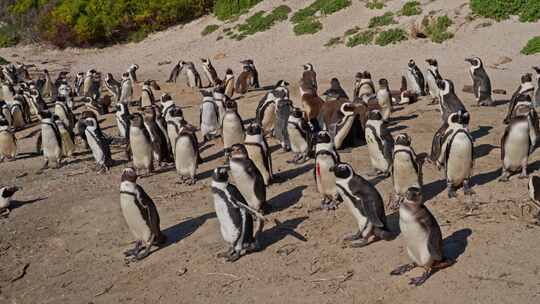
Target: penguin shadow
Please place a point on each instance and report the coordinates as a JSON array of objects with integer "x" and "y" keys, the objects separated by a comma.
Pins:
[
  {"x": 455, "y": 244},
  {"x": 533, "y": 167},
  {"x": 397, "y": 109},
  {"x": 483, "y": 150},
  {"x": 281, "y": 231},
  {"x": 481, "y": 132},
  {"x": 204, "y": 175},
  {"x": 186, "y": 228},
  {"x": 396, "y": 120},
  {"x": 27, "y": 155},
  {"x": 285, "y": 200},
  {"x": 108, "y": 127},
  {"x": 17, "y": 203},
  {"x": 484, "y": 178},
  {"x": 274, "y": 148},
  {"x": 292, "y": 173},
  {"x": 500, "y": 102},
  {"x": 206, "y": 146},
  {"x": 433, "y": 189},
  {"x": 214, "y": 156},
  {"x": 397, "y": 128}
]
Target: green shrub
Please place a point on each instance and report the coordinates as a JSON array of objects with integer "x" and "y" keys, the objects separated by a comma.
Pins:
[
  {"x": 528, "y": 10},
  {"x": 532, "y": 47},
  {"x": 363, "y": 38},
  {"x": 386, "y": 19},
  {"x": 411, "y": 8},
  {"x": 333, "y": 42},
  {"x": 227, "y": 9},
  {"x": 261, "y": 21},
  {"x": 391, "y": 36},
  {"x": 375, "y": 4},
  {"x": 328, "y": 7},
  {"x": 8, "y": 36},
  {"x": 437, "y": 30},
  {"x": 352, "y": 31},
  {"x": 304, "y": 19},
  {"x": 209, "y": 29},
  {"x": 3, "y": 61},
  {"x": 307, "y": 26}
]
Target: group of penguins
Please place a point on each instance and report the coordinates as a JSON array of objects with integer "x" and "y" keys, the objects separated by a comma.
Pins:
[{"x": 157, "y": 132}]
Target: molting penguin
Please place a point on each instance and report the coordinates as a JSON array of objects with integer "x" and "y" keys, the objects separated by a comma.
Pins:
[
  {"x": 406, "y": 169},
  {"x": 228, "y": 83},
  {"x": 423, "y": 237},
  {"x": 122, "y": 119},
  {"x": 140, "y": 147},
  {"x": 232, "y": 127},
  {"x": 63, "y": 112},
  {"x": 234, "y": 216},
  {"x": 380, "y": 144},
  {"x": 244, "y": 80},
  {"x": 365, "y": 203},
  {"x": 432, "y": 77},
  {"x": 335, "y": 91},
  {"x": 309, "y": 77},
  {"x": 481, "y": 82},
  {"x": 384, "y": 97},
  {"x": 300, "y": 136},
  {"x": 210, "y": 72},
  {"x": 415, "y": 79},
  {"x": 67, "y": 137},
  {"x": 126, "y": 92},
  {"x": 326, "y": 157},
  {"x": 363, "y": 85},
  {"x": 259, "y": 152},
  {"x": 186, "y": 157},
  {"x": 98, "y": 144},
  {"x": 8, "y": 141},
  {"x": 51, "y": 141},
  {"x": 312, "y": 104},
  {"x": 141, "y": 216},
  {"x": 209, "y": 117},
  {"x": 254, "y": 73},
  {"x": 6, "y": 194}
]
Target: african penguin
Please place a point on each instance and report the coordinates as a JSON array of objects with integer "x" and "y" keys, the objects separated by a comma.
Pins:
[
  {"x": 522, "y": 97},
  {"x": 98, "y": 144},
  {"x": 259, "y": 152},
  {"x": 158, "y": 138},
  {"x": 384, "y": 97},
  {"x": 126, "y": 92},
  {"x": 51, "y": 141},
  {"x": 210, "y": 72},
  {"x": 415, "y": 78},
  {"x": 380, "y": 144},
  {"x": 516, "y": 146},
  {"x": 209, "y": 117},
  {"x": 283, "y": 112},
  {"x": 326, "y": 157},
  {"x": 335, "y": 91},
  {"x": 113, "y": 86},
  {"x": 232, "y": 129},
  {"x": 148, "y": 98},
  {"x": 228, "y": 83},
  {"x": 63, "y": 112},
  {"x": 300, "y": 136},
  {"x": 140, "y": 147},
  {"x": 244, "y": 80},
  {"x": 8, "y": 141},
  {"x": 449, "y": 102},
  {"x": 186, "y": 157},
  {"x": 6, "y": 195},
  {"x": 122, "y": 119},
  {"x": 536, "y": 100},
  {"x": 17, "y": 115},
  {"x": 432, "y": 77},
  {"x": 311, "y": 104},
  {"x": 346, "y": 117},
  {"x": 193, "y": 77},
  {"x": 67, "y": 137},
  {"x": 481, "y": 82},
  {"x": 406, "y": 169},
  {"x": 254, "y": 73},
  {"x": 309, "y": 77},
  {"x": 132, "y": 71},
  {"x": 363, "y": 85}
]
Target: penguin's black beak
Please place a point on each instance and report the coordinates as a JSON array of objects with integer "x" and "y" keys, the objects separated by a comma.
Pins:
[
  {"x": 332, "y": 169},
  {"x": 469, "y": 60}
]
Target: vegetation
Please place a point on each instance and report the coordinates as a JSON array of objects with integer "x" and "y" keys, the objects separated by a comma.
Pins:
[
  {"x": 305, "y": 20},
  {"x": 258, "y": 22},
  {"x": 3, "y": 61},
  {"x": 528, "y": 10},
  {"x": 438, "y": 30},
  {"x": 8, "y": 36},
  {"x": 363, "y": 38},
  {"x": 391, "y": 36},
  {"x": 411, "y": 8},
  {"x": 230, "y": 9},
  {"x": 333, "y": 42},
  {"x": 532, "y": 47},
  {"x": 375, "y": 4},
  {"x": 209, "y": 29},
  {"x": 308, "y": 26},
  {"x": 386, "y": 19},
  {"x": 352, "y": 31}
]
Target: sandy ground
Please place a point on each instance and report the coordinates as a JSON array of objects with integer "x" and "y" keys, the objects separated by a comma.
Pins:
[{"x": 68, "y": 229}]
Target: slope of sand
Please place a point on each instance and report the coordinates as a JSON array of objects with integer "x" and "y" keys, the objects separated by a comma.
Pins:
[{"x": 69, "y": 229}]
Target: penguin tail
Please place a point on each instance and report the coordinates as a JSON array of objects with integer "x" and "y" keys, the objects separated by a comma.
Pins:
[
  {"x": 161, "y": 239},
  {"x": 384, "y": 234},
  {"x": 444, "y": 263}
]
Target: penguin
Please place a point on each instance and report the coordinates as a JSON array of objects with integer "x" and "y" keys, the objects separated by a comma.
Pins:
[
  {"x": 219, "y": 98},
  {"x": 132, "y": 71},
  {"x": 423, "y": 238},
  {"x": 175, "y": 72},
  {"x": 98, "y": 145},
  {"x": 8, "y": 141},
  {"x": 380, "y": 144},
  {"x": 64, "y": 113},
  {"x": 193, "y": 77},
  {"x": 457, "y": 154},
  {"x": 537, "y": 92},
  {"x": 60, "y": 79},
  {"x": 481, "y": 82},
  {"x": 249, "y": 181},
  {"x": 244, "y": 80},
  {"x": 335, "y": 91},
  {"x": 523, "y": 96},
  {"x": 141, "y": 216},
  {"x": 167, "y": 105},
  {"x": 21, "y": 99},
  {"x": 345, "y": 121},
  {"x": 300, "y": 136},
  {"x": 232, "y": 128},
  {"x": 8, "y": 92},
  {"x": 174, "y": 120},
  {"x": 122, "y": 119},
  {"x": 6, "y": 195},
  {"x": 326, "y": 157},
  {"x": 113, "y": 86},
  {"x": 234, "y": 216},
  {"x": 126, "y": 92},
  {"x": 89, "y": 88},
  {"x": 17, "y": 115},
  {"x": 48, "y": 90},
  {"x": 365, "y": 203},
  {"x": 140, "y": 147},
  {"x": 283, "y": 112},
  {"x": 384, "y": 97},
  {"x": 209, "y": 117},
  {"x": 312, "y": 104},
  {"x": 158, "y": 138},
  {"x": 406, "y": 169},
  {"x": 5, "y": 112},
  {"x": 265, "y": 114},
  {"x": 309, "y": 77},
  {"x": 51, "y": 141},
  {"x": 228, "y": 83},
  {"x": 79, "y": 82},
  {"x": 516, "y": 146},
  {"x": 415, "y": 78},
  {"x": 259, "y": 152},
  {"x": 210, "y": 72},
  {"x": 186, "y": 157},
  {"x": 432, "y": 77},
  {"x": 449, "y": 102},
  {"x": 254, "y": 73},
  {"x": 64, "y": 90},
  {"x": 147, "y": 94},
  {"x": 67, "y": 137},
  {"x": 363, "y": 85}
]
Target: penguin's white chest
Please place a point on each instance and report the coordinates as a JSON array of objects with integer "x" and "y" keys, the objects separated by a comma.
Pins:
[
  {"x": 256, "y": 155},
  {"x": 4, "y": 202},
  {"x": 209, "y": 122},
  {"x": 269, "y": 117},
  {"x": 298, "y": 142},
  {"x": 191, "y": 78},
  {"x": 326, "y": 180},
  {"x": 229, "y": 231},
  {"x": 122, "y": 125},
  {"x": 185, "y": 157},
  {"x": 416, "y": 238},
  {"x": 404, "y": 173},
  {"x": 459, "y": 163},
  {"x": 232, "y": 131},
  {"x": 361, "y": 220},
  {"x": 432, "y": 84},
  {"x": 98, "y": 154},
  {"x": 343, "y": 131},
  {"x": 51, "y": 147},
  {"x": 516, "y": 147},
  {"x": 245, "y": 184},
  {"x": 141, "y": 148},
  {"x": 378, "y": 161},
  {"x": 8, "y": 146},
  {"x": 134, "y": 219}
]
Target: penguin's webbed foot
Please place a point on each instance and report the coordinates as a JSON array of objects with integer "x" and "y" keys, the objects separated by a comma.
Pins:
[
  {"x": 181, "y": 180},
  {"x": 226, "y": 253},
  {"x": 359, "y": 243},
  {"x": 451, "y": 191},
  {"x": 505, "y": 177},
  {"x": 353, "y": 236},
  {"x": 233, "y": 257},
  {"x": 134, "y": 251},
  {"x": 403, "y": 269},
  {"x": 191, "y": 181},
  {"x": 418, "y": 281},
  {"x": 4, "y": 213},
  {"x": 467, "y": 188}
]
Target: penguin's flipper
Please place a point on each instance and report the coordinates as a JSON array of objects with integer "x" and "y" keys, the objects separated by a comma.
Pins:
[
  {"x": 150, "y": 214},
  {"x": 503, "y": 140},
  {"x": 370, "y": 207},
  {"x": 435, "y": 244}
]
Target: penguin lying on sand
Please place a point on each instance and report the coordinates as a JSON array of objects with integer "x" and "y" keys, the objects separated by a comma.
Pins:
[{"x": 6, "y": 193}]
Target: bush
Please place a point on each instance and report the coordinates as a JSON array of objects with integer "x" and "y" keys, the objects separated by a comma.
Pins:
[
  {"x": 305, "y": 21},
  {"x": 437, "y": 30},
  {"x": 528, "y": 10},
  {"x": 209, "y": 29},
  {"x": 375, "y": 4},
  {"x": 333, "y": 42},
  {"x": 307, "y": 26},
  {"x": 363, "y": 38},
  {"x": 8, "y": 36},
  {"x": 411, "y": 8},
  {"x": 386, "y": 19},
  {"x": 532, "y": 47},
  {"x": 261, "y": 21},
  {"x": 227, "y": 9},
  {"x": 3, "y": 61},
  {"x": 391, "y": 36},
  {"x": 352, "y": 31}
]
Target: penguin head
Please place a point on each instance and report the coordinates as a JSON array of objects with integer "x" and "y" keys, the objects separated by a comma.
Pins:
[
  {"x": 411, "y": 63},
  {"x": 229, "y": 71},
  {"x": 366, "y": 75},
  {"x": 297, "y": 113},
  {"x": 347, "y": 108},
  {"x": 129, "y": 174},
  {"x": 282, "y": 83},
  {"x": 61, "y": 99},
  {"x": 446, "y": 86},
  {"x": 459, "y": 117},
  {"x": 205, "y": 60},
  {"x": 359, "y": 75},
  {"x": 134, "y": 67},
  {"x": 221, "y": 175},
  {"x": 432, "y": 62},
  {"x": 230, "y": 105},
  {"x": 239, "y": 151},
  {"x": 91, "y": 123},
  {"x": 342, "y": 171},
  {"x": 45, "y": 114},
  {"x": 165, "y": 97},
  {"x": 403, "y": 139},
  {"x": 334, "y": 83},
  {"x": 475, "y": 62},
  {"x": 137, "y": 120},
  {"x": 308, "y": 67},
  {"x": 414, "y": 195},
  {"x": 323, "y": 137},
  {"x": 176, "y": 112},
  {"x": 375, "y": 115},
  {"x": 526, "y": 78},
  {"x": 383, "y": 83},
  {"x": 3, "y": 122},
  {"x": 253, "y": 129},
  {"x": 536, "y": 69}
]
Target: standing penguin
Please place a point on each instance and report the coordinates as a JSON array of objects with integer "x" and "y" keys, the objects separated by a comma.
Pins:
[
  {"x": 48, "y": 90},
  {"x": 8, "y": 141},
  {"x": 249, "y": 181},
  {"x": 326, "y": 157},
  {"x": 6, "y": 194},
  {"x": 312, "y": 104},
  {"x": 147, "y": 94},
  {"x": 266, "y": 112},
  {"x": 67, "y": 137},
  {"x": 228, "y": 83},
  {"x": 219, "y": 98},
  {"x": 283, "y": 111},
  {"x": 259, "y": 152},
  {"x": 300, "y": 136},
  {"x": 457, "y": 154},
  {"x": 335, "y": 91},
  {"x": 132, "y": 71},
  {"x": 5, "y": 113},
  {"x": 449, "y": 102},
  {"x": 209, "y": 117},
  {"x": 98, "y": 145},
  {"x": 79, "y": 83},
  {"x": 481, "y": 82},
  {"x": 63, "y": 112},
  {"x": 254, "y": 73},
  {"x": 423, "y": 237},
  {"x": 415, "y": 79},
  {"x": 126, "y": 92},
  {"x": 51, "y": 141},
  {"x": 345, "y": 123},
  {"x": 536, "y": 100},
  {"x": 380, "y": 144},
  {"x": 309, "y": 77},
  {"x": 432, "y": 77},
  {"x": 17, "y": 115},
  {"x": 140, "y": 147},
  {"x": 522, "y": 97},
  {"x": 234, "y": 216},
  {"x": 406, "y": 169},
  {"x": 384, "y": 97},
  {"x": 158, "y": 138},
  {"x": 174, "y": 120},
  {"x": 210, "y": 72},
  {"x": 193, "y": 77},
  {"x": 141, "y": 216},
  {"x": 244, "y": 80},
  {"x": 122, "y": 119},
  {"x": 232, "y": 127},
  {"x": 365, "y": 203},
  {"x": 113, "y": 86},
  {"x": 186, "y": 157}
]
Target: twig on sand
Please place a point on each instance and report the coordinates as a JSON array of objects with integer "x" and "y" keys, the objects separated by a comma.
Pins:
[
  {"x": 347, "y": 276},
  {"x": 224, "y": 274},
  {"x": 21, "y": 273},
  {"x": 104, "y": 291}
]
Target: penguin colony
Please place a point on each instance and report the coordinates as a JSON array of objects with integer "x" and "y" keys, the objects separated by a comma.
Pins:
[{"x": 155, "y": 133}]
